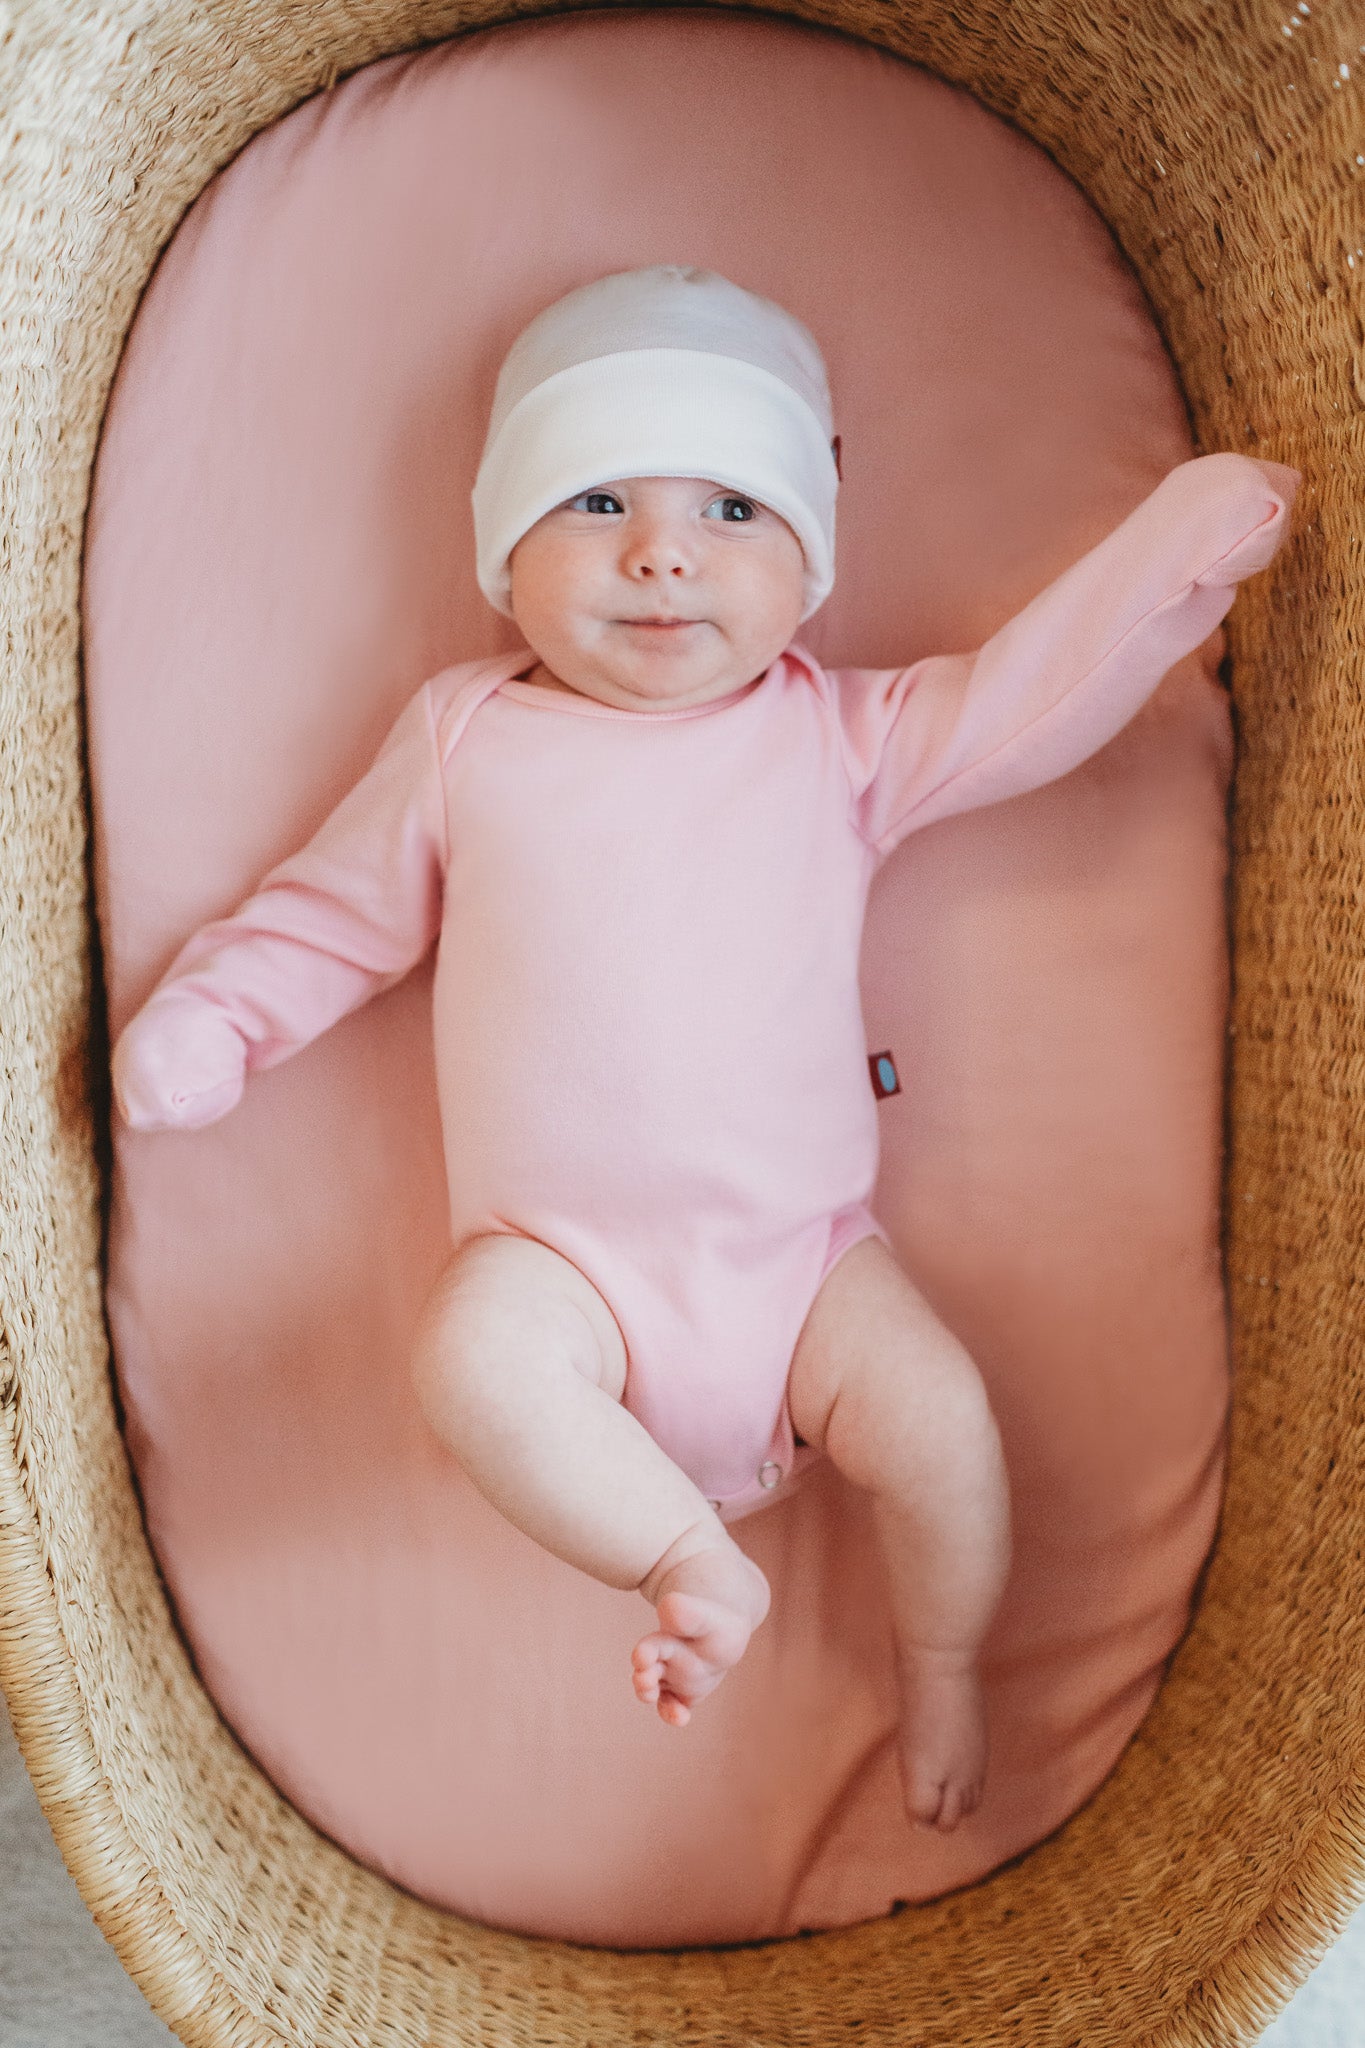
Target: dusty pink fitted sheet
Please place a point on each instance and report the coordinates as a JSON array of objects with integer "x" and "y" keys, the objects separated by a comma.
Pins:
[{"x": 280, "y": 551}]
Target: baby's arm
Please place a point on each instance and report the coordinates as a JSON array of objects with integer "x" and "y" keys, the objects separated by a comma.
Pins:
[
  {"x": 342, "y": 919},
  {"x": 1058, "y": 680}
]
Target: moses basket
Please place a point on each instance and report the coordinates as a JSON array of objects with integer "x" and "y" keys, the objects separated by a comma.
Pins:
[{"x": 1226, "y": 150}]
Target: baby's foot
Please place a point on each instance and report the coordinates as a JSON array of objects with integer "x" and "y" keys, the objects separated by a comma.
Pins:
[
  {"x": 709, "y": 1604},
  {"x": 942, "y": 1736}
]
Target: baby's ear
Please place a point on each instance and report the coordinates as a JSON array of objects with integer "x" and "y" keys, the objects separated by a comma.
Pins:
[{"x": 837, "y": 444}]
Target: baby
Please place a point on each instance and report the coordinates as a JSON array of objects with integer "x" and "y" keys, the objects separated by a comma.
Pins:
[{"x": 644, "y": 840}]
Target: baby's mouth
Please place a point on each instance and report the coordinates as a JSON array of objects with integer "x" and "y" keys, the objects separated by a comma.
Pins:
[{"x": 659, "y": 625}]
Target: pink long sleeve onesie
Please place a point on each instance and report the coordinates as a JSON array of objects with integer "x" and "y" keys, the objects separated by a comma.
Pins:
[{"x": 649, "y": 1041}]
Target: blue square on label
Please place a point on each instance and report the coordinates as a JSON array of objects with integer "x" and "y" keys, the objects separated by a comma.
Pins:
[{"x": 885, "y": 1079}]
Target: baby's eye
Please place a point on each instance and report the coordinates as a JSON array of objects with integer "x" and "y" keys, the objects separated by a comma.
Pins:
[
  {"x": 748, "y": 509},
  {"x": 583, "y": 498}
]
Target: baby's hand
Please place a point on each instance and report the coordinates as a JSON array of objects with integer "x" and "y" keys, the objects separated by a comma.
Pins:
[
  {"x": 1260, "y": 543},
  {"x": 179, "y": 1064},
  {"x": 1285, "y": 479}
]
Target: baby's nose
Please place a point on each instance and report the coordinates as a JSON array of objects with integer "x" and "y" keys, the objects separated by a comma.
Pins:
[
  {"x": 660, "y": 558},
  {"x": 658, "y": 550}
]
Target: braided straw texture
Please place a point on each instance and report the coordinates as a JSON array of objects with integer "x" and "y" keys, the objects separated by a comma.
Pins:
[{"x": 1225, "y": 145}]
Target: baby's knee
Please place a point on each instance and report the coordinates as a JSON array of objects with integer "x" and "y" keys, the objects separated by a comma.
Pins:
[
  {"x": 496, "y": 1319},
  {"x": 921, "y": 1406},
  {"x": 472, "y": 1316},
  {"x": 456, "y": 1341}
]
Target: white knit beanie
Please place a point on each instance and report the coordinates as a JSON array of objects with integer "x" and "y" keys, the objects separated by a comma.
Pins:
[{"x": 666, "y": 371}]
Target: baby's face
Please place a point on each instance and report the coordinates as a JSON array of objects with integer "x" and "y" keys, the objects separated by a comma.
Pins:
[{"x": 590, "y": 574}]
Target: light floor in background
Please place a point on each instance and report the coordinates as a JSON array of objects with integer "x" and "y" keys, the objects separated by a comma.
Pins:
[{"x": 61, "y": 1986}]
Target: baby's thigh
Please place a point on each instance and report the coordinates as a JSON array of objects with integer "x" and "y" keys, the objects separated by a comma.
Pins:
[
  {"x": 876, "y": 1376},
  {"x": 510, "y": 1307}
]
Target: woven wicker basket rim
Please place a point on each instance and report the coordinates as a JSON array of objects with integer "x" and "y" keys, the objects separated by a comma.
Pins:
[{"x": 1187, "y": 1900}]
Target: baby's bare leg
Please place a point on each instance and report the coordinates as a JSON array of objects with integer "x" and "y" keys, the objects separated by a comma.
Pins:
[
  {"x": 888, "y": 1392},
  {"x": 520, "y": 1366}
]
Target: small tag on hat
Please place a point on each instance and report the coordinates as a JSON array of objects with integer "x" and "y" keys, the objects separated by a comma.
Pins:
[{"x": 885, "y": 1079}]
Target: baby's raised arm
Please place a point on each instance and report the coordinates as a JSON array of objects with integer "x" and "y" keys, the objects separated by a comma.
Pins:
[
  {"x": 1066, "y": 673},
  {"x": 338, "y": 922}
]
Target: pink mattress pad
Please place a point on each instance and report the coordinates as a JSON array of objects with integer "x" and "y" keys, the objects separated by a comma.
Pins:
[{"x": 280, "y": 551}]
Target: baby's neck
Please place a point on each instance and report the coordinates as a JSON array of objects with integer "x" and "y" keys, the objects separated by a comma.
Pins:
[{"x": 548, "y": 681}]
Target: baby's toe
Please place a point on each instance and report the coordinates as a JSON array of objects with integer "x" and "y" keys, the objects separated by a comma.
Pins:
[
  {"x": 646, "y": 1685},
  {"x": 654, "y": 1659},
  {"x": 926, "y": 1805},
  {"x": 709, "y": 1633},
  {"x": 652, "y": 1654},
  {"x": 950, "y": 1811}
]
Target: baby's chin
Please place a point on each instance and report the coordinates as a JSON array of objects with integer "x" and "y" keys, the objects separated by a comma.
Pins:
[{"x": 654, "y": 671}]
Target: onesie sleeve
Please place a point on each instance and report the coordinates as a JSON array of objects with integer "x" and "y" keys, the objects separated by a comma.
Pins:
[
  {"x": 1059, "y": 679},
  {"x": 339, "y": 921}
]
